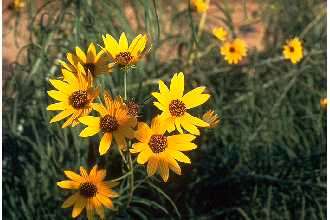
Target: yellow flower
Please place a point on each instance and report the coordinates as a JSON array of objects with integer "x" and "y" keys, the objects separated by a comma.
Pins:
[
  {"x": 95, "y": 63},
  {"x": 93, "y": 192},
  {"x": 75, "y": 95},
  {"x": 121, "y": 52},
  {"x": 234, "y": 51},
  {"x": 323, "y": 103},
  {"x": 293, "y": 50},
  {"x": 174, "y": 105},
  {"x": 114, "y": 121},
  {"x": 220, "y": 33},
  {"x": 18, "y": 4},
  {"x": 200, "y": 5},
  {"x": 161, "y": 151},
  {"x": 211, "y": 118}
]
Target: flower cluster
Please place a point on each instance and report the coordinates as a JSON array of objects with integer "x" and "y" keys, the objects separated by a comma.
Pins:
[
  {"x": 160, "y": 144},
  {"x": 235, "y": 50}
]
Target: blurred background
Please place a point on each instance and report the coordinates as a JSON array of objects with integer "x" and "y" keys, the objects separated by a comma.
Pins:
[{"x": 265, "y": 160}]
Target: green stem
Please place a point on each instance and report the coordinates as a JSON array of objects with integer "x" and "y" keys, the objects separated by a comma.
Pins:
[
  {"x": 129, "y": 157},
  {"x": 131, "y": 180},
  {"x": 125, "y": 85}
]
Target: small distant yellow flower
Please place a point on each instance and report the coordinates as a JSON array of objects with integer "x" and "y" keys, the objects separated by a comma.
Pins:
[
  {"x": 114, "y": 122},
  {"x": 75, "y": 95},
  {"x": 174, "y": 105},
  {"x": 200, "y": 5},
  {"x": 293, "y": 50},
  {"x": 121, "y": 52},
  {"x": 93, "y": 62},
  {"x": 93, "y": 193},
  {"x": 323, "y": 103},
  {"x": 161, "y": 151},
  {"x": 220, "y": 33},
  {"x": 211, "y": 118},
  {"x": 18, "y": 4},
  {"x": 234, "y": 51}
]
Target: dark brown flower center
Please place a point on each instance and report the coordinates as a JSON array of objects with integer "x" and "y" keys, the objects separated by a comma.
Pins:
[
  {"x": 124, "y": 58},
  {"x": 231, "y": 49},
  {"x": 109, "y": 123},
  {"x": 79, "y": 99},
  {"x": 291, "y": 49},
  {"x": 90, "y": 67},
  {"x": 133, "y": 108},
  {"x": 158, "y": 143},
  {"x": 177, "y": 108},
  {"x": 88, "y": 189}
]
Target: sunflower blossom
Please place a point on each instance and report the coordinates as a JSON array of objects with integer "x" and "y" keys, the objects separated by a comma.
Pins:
[
  {"x": 161, "y": 151},
  {"x": 75, "y": 94},
  {"x": 93, "y": 193},
  {"x": 174, "y": 105},
  {"x": 114, "y": 121},
  {"x": 293, "y": 50},
  {"x": 234, "y": 51},
  {"x": 200, "y": 5},
  {"x": 18, "y": 4},
  {"x": 323, "y": 103},
  {"x": 211, "y": 118},
  {"x": 220, "y": 33},
  {"x": 93, "y": 62},
  {"x": 121, "y": 52}
]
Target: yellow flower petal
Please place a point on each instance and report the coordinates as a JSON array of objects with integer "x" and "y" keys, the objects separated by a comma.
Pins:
[
  {"x": 105, "y": 143},
  {"x": 143, "y": 132},
  {"x": 78, "y": 206},
  {"x": 123, "y": 44},
  {"x": 100, "y": 109},
  {"x": 163, "y": 99},
  {"x": 158, "y": 126},
  {"x": 98, "y": 207},
  {"x": 93, "y": 172},
  {"x": 91, "y": 53},
  {"x": 195, "y": 97},
  {"x": 144, "y": 156},
  {"x": 81, "y": 54},
  {"x": 177, "y": 123},
  {"x": 177, "y": 85},
  {"x": 194, "y": 120},
  {"x": 74, "y": 176},
  {"x": 57, "y": 106},
  {"x": 188, "y": 126},
  {"x": 104, "y": 200},
  {"x": 71, "y": 200},
  {"x": 83, "y": 172},
  {"x": 73, "y": 117},
  {"x": 89, "y": 131},
  {"x": 111, "y": 45},
  {"x": 59, "y": 96},
  {"x": 62, "y": 86},
  {"x": 139, "y": 46},
  {"x": 69, "y": 77},
  {"x": 138, "y": 147},
  {"x": 179, "y": 156},
  {"x": 152, "y": 165},
  {"x": 100, "y": 175},
  {"x": 163, "y": 88},
  {"x": 62, "y": 115},
  {"x": 160, "y": 106},
  {"x": 120, "y": 140},
  {"x": 173, "y": 165},
  {"x": 163, "y": 170},
  {"x": 68, "y": 184},
  {"x": 90, "y": 121}
]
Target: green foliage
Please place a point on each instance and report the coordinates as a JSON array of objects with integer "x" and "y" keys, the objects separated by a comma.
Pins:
[{"x": 266, "y": 160}]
